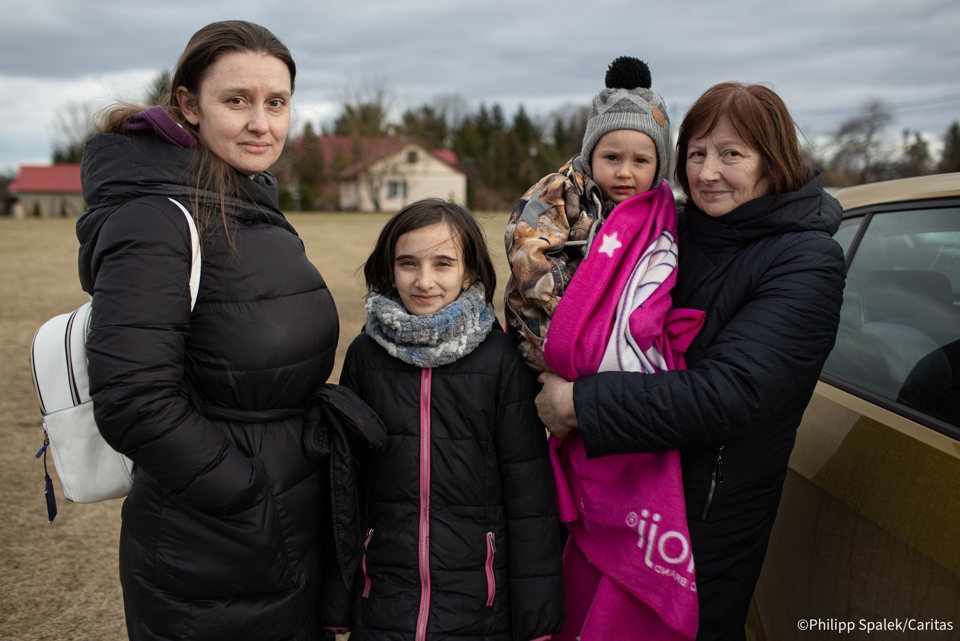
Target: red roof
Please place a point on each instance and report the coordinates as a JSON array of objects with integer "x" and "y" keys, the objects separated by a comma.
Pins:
[
  {"x": 448, "y": 156},
  {"x": 62, "y": 178},
  {"x": 337, "y": 149}
]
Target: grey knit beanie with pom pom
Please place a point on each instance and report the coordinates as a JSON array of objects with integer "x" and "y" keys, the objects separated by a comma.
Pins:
[{"x": 628, "y": 102}]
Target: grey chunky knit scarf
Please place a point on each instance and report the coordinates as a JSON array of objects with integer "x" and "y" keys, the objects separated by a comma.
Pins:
[{"x": 433, "y": 339}]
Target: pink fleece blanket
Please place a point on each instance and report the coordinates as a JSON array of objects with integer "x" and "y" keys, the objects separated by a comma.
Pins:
[{"x": 628, "y": 567}]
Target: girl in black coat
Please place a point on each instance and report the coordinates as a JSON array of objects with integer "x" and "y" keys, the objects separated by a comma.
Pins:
[
  {"x": 460, "y": 512},
  {"x": 223, "y": 531},
  {"x": 756, "y": 254}
]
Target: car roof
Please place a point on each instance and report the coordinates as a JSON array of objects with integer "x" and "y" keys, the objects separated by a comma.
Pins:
[{"x": 892, "y": 191}]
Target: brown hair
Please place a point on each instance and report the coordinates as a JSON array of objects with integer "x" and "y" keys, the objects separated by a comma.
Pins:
[
  {"x": 203, "y": 50},
  {"x": 761, "y": 119},
  {"x": 378, "y": 268}
]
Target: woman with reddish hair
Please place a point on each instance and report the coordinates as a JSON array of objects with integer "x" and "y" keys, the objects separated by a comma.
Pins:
[{"x": 756, "y": 255}]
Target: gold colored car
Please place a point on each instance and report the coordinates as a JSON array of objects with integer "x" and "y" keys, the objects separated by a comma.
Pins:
[{"x": 867, "y": 539}]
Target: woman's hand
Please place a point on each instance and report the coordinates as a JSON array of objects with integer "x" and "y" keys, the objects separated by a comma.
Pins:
[{"x": 555, "y": 405}]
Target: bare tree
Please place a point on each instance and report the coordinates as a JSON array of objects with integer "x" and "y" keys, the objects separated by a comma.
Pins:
[
  {"x": 454, "y": 110},
  {"x": 159, "y": 91},
  {"x": 72, "y": 129},
  {"x": 76, "y": 123},
  {"x": 365, "y": 119},
  {"x": 365, "y": 111},
  {"x": 859, "y": 148}
]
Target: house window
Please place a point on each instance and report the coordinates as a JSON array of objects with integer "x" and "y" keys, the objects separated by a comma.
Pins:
[
  {"x": 412, "y": 157},
  {"x": 396, "y": 189}
]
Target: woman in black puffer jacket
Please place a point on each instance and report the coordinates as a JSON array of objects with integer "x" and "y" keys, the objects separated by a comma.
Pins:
[
  {"x": 224, "y": 529},
  {"x": 756, "y": 254}
]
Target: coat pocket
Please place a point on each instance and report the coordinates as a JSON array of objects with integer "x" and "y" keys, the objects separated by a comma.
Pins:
[{"x": 201, "y": 555}]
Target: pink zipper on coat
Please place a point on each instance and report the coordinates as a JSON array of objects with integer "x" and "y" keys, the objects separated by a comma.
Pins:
[
  {"x": 488, "y": 567},
  {"x": 424, "y": 534},
  {"x": 363, "y": 564}
]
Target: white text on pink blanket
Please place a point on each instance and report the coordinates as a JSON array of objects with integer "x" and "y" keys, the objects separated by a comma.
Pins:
[{"x": 666, "y": 552}]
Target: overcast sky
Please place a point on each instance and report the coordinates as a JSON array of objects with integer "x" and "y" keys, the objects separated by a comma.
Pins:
[{"x": 826, "y": 58}]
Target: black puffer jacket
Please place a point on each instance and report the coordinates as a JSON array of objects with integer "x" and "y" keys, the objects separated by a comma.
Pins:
[
  {"x": 221, "y": 535},
  {"x": 466, "y": 543},
  {"x": 770, "y": 279}
]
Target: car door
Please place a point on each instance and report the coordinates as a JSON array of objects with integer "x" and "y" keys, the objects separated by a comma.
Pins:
[{"x": 867, "y": 538}]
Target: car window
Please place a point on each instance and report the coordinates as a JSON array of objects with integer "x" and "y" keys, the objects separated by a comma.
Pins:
[
  {"x": 899, "y": 334},
  {"x": 847, "y": 232}
]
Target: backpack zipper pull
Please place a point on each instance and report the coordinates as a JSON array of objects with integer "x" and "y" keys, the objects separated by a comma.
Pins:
[
  {"x": 48, "y": 494},
  {"x": 50, "y": 498}
]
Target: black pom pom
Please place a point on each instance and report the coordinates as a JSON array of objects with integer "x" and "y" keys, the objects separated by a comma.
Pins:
[{"x": 627, "y": 73}]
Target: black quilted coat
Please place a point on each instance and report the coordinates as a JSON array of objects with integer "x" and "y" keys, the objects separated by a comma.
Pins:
[
  {"x": 221, "y": 536},
  {"x": 770, "y": 279},
  {"x": 460, "y": 508}
]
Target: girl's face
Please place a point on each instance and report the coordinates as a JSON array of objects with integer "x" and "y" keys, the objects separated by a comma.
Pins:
[
  {"x": 723, "y": 172},
  {"x": 242, "y": 109},
  {"x": 624, "y": 164},
  {"x": 428, "y": 269}
]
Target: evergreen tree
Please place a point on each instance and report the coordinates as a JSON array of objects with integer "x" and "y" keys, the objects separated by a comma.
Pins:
[
  {"x": 916, "y": 154},
  {"x": 950, "y": 161},
  {"x": 311, "y": 170},
  {"x": 362, "y": 120},
  {"x": 426, "y": 126}
]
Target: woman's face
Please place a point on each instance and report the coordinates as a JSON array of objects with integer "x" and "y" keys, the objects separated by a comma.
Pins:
[
  {"x": 723, "y": 172},
  {"x": 242, "y": 110}
]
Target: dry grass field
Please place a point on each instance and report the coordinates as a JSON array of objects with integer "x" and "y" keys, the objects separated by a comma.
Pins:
[{"x": 59, "y": 582}]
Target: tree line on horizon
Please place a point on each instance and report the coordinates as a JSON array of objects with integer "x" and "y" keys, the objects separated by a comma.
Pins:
[{"x": 504, "y": 155}]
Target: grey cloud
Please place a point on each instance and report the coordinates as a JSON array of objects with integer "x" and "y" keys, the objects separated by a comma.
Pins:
[{"x": 825, "y": 58}]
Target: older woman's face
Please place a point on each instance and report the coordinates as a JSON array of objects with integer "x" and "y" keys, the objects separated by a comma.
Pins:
[
  {"x": 723, "y": 172},
  {"x": 242, "y": 110}
]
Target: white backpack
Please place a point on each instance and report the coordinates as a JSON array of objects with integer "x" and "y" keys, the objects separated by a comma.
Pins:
[{"x": 89, "y": 469}]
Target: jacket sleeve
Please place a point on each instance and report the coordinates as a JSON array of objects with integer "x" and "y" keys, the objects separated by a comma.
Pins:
[
  {"x": 348, "y": 374},
  {"x": 762, "y": 366},
  {"x": 543, "y": 220},
  {"x": 136, "y": 348},
  {"x": 533, "y": 529}
]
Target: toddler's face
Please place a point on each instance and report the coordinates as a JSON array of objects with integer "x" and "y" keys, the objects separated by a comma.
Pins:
[
  {"x": 624, "y": 164},
  {"x": 428, "y": 270}
]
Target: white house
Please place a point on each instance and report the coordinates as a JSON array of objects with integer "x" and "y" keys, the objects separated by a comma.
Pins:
[
  {"x": 392, "y": 173},
  {"x": 402, "y": 176}
]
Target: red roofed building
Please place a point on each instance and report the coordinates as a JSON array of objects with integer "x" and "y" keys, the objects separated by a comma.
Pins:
[
  {"x": 48, "y": 191},
  {"x": 385, "y": 174}
]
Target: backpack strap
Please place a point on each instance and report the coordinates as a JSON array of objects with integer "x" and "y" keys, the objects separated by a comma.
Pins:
[{"x": 196, "y": 259}]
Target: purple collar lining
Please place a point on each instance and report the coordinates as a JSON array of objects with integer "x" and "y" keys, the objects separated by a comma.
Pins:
[{"x": 157, "y": 119}]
